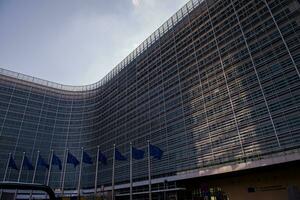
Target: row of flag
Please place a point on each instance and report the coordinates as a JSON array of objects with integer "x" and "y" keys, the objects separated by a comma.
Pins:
[
  {"x": 41, "y": 162},
  {"x": 137, "y": 154}
]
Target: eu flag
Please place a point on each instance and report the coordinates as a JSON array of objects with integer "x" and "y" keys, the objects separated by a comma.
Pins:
[
  {"x": 56, "y": 161},
  {"x": 27, "y": 164},
  {"x": 12, "y": 163},
  {"x": 119, "y": 156},
  {"x": 137, "y": 153},
  {"x": 102, "y": 158},
  {"x": 155, "y": 151},
  {"x": 42, "y": 162},
  {"x": 86, "y": 158},
  {"x": 72, "y": 159}
]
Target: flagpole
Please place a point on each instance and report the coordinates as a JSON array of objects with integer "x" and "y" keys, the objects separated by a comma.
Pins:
[
  {"x": 20, "y": 172},
  {"x": 49, "y": 170},
  {"x": 21, "y": 167},
  {"x": 35, "y": 167},
  {"x": 80, "y": 169},
  {"x": 149, "y": 171},
  {"x": 64, "y": 172},
  {"x": 6, "y": 169},
  {"x": 34, "y": 172},
  {"x": 96, "y": 176},
  {"x": 130, "y": 170},
  {"x": 113, "y": 175},
  {"x": 50, "y": 166}
]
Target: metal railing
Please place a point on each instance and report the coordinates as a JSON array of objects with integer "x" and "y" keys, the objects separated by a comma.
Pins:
[{"x": 27, "y": 186}]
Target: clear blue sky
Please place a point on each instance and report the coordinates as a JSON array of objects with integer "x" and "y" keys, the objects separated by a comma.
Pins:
[{"x": 75, "y": 42}]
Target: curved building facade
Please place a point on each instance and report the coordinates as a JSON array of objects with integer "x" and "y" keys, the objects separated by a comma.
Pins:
[{"x": 217, "y": 85}]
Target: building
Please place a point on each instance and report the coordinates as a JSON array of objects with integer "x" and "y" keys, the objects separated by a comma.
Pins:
[{"x": 216, "y": 87}]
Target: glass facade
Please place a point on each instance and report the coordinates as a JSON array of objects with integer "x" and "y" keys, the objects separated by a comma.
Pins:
[{"x": 218, "y": 83}]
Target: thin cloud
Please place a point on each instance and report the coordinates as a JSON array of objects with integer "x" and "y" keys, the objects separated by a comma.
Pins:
[{"x": 136, "y": 3}]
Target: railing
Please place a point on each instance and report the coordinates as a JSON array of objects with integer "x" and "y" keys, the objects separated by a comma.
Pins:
[
  {"x": 170, "y": 23},
  {"x": 28, "y": 187}
]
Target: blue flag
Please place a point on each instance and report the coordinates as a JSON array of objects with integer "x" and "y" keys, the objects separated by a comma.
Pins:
[
  {"x": 102, "y": 158},
  {"x": 155, "y": 152},
  {"x": 27, "y": 164},
  {"x": 42, "y": 162},
  {"x": 119, "y": 156},
  {"x": 12, "y": 163},
  {"x": 137, "y": 153},
  {"x": 56, "y": 161},
  {"x": 72, "y": 159},
  {"x": 86, "y": 158}
]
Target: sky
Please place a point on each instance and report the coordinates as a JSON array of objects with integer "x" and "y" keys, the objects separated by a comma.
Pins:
[{"x": 76, "y": 42}]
